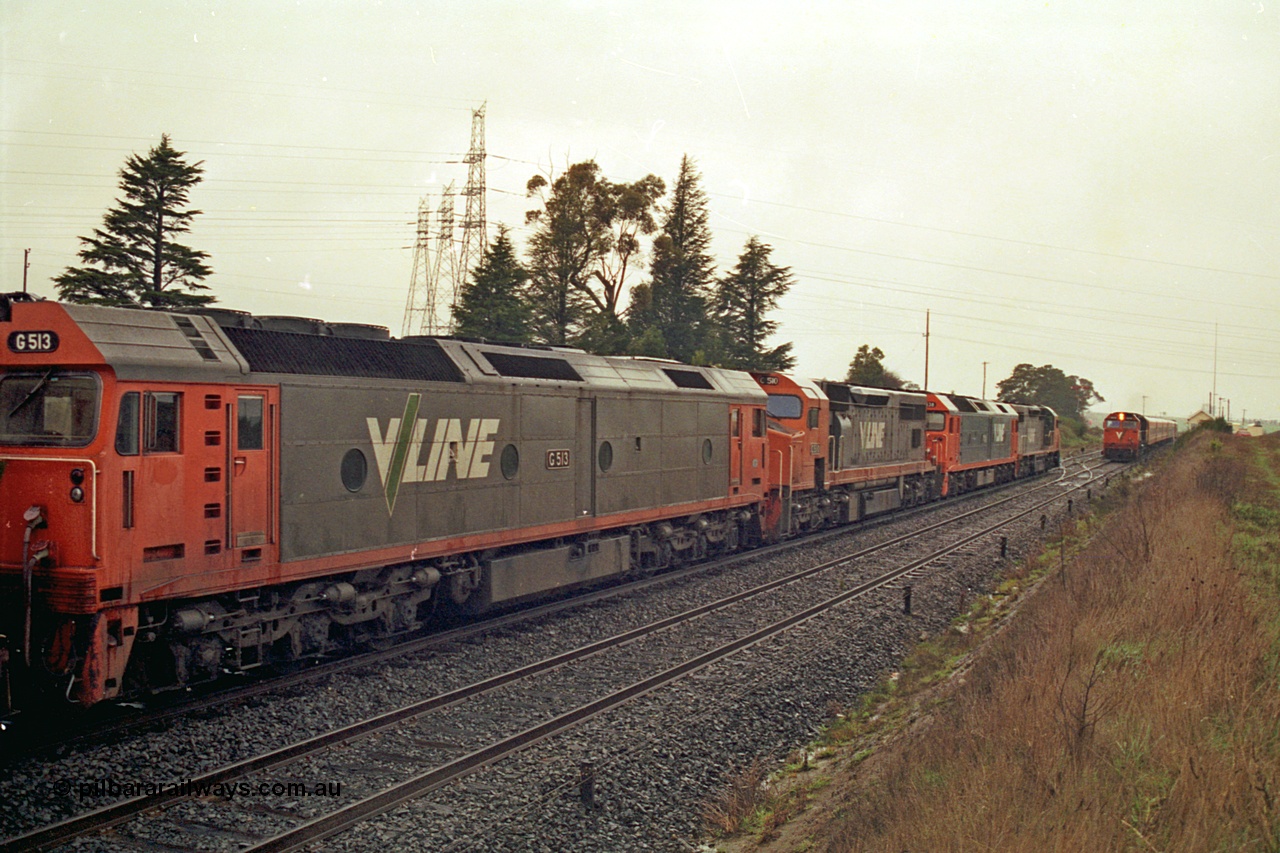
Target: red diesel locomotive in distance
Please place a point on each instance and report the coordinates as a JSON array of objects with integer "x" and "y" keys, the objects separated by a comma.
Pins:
[
  {"x": 1128, "y": 436},
  {"x": 187, "y": 494}
]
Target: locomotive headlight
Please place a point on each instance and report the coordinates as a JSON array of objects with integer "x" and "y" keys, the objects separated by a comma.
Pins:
[
  {"x": 77, "y": 494},
  {"x": 77, "y": 476}
]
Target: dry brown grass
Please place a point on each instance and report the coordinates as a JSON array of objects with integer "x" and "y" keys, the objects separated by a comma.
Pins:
[
  {"x": 1133, "y": 704},
  {"x": 743, "y": 793}
]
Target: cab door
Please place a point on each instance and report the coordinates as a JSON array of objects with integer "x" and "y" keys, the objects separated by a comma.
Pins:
[
  {"x": 588, "y": 457},
  {"x": 251, "y": 425},
  {"x": 735, "y": 448}
]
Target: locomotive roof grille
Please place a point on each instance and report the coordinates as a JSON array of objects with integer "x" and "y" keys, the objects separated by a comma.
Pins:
[
  {"x": 854, "y": 395},
  {"x": 870, "y": 399},
  {"x": 835, "y": 392},
  {"x": 197, "y": 340},
  {"x": 323, "y": 355},
  {"x": 688, "y": 379},
  {"x": 532, "y": 366}
]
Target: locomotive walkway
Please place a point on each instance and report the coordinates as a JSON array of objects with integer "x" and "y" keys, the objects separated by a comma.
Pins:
[{"x": 609, "y": 673}]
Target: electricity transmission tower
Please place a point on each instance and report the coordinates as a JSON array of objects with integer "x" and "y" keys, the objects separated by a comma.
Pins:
[
  {"x": 475, "y": 235},
  {"x": 431, "y": 284},
  {"x": 439, "y": 275},
  {"x": 444, "y": 275},
  {"x": 420, "y": 306}
]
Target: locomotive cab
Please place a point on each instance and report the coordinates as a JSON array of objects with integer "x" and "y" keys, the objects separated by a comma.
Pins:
[
  {"x": 108, "y": 451},
  {"x": 1128, "y": 435},
  {"x": 48, "y": 421}
]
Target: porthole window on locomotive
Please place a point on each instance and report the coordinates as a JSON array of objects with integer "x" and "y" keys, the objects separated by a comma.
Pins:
[
  {"x": 605, "y": 456},
  {"x": 510, "y": 461},
  {"x": 706, "y": 451},
  {"x": 355, "y": 468}
]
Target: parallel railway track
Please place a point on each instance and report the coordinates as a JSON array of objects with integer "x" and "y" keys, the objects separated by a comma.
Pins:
[
  {"x": 50, "y": 737},
  {"x": 424, "y": 779}
]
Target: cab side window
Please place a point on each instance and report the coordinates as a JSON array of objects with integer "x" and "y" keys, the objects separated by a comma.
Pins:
[
  {"x": 249, "y": 423},
  {"x": 149, "y": 422},
  {"x": 127, "y": 425},
  {"x": 162, "y": 422}
]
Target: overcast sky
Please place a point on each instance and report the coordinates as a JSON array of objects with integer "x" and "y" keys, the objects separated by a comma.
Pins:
[{"x": 1090, "y": 185}]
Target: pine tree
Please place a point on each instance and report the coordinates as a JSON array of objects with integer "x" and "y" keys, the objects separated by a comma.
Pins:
[
  {"x": 494, "y": 303},
  {"x": 132, "y": 259},
  {"x": 670, "y": 310},
  {"x": 743, "y": 300}
]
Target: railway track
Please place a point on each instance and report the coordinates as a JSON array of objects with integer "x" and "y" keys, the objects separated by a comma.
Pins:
[
  {"x": 434, "y": 747},
  {"x": 49, "y": 737}
]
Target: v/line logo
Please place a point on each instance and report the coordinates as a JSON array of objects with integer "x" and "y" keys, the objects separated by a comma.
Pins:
[
  {"x": 399, "y": 449},
  {"x": 872, "y": 434}
]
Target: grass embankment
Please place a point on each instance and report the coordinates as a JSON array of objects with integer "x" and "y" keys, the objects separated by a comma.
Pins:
[{"x": 1131, "y": 703}]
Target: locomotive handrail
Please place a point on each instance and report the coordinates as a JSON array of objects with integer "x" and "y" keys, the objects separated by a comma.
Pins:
[{"x": 93, "y": 504}]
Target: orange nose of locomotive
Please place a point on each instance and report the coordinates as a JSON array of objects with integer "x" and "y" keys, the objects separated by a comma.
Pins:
[{"x": 51, "y": 381}]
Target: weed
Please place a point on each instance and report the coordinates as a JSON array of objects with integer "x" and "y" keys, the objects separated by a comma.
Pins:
[
  {"x": 1132, "y": 706},
  {"x": 742, "y": 794}
]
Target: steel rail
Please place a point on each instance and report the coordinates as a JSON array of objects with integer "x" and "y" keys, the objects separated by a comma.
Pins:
[
  {"x": 226, "y": 696},
  {"x": 343, "y": 819},
  {"x": 128, "y": 809}
]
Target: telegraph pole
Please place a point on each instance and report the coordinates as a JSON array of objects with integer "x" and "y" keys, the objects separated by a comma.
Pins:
[
  {"x": 926, "y": 350},
  {"x": 984, "y": 379},
  {"x": 1213, "y": 395},
  {"x": 26, "y": 265}
]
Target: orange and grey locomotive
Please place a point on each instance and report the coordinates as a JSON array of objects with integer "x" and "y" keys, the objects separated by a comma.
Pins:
[{"x": 187, "y": 494}]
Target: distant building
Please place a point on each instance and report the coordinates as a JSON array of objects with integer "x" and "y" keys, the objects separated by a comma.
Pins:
[{"x": 1200, "y": 417}]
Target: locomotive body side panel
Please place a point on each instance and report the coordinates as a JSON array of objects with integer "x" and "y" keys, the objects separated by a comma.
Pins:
[
  {"x": 366, "y": 467},
  {"x": 633, "y": 431}
]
